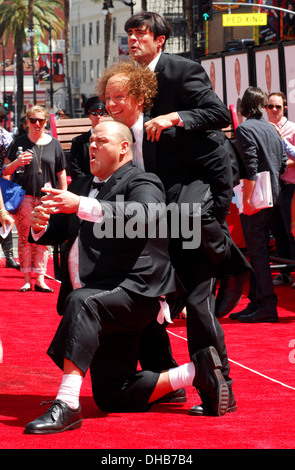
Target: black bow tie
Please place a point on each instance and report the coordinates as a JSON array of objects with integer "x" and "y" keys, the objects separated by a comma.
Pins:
[{"x": 97, "y": 186}]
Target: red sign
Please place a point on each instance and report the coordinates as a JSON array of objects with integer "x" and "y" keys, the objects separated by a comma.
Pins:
[{"x": 58, "y": 67}]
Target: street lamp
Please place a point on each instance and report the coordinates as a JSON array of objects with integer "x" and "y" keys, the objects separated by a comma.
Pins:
[
  {"x": 108, "y": 6},
  {"x": 4, "y": 81},
  {"x": 49, "y": 29}
]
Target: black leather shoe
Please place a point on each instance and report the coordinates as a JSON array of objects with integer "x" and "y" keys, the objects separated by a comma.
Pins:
[
  {"x": 178, "y": 396},
  {"x": 205, "y": 409},
  {"x": 259, "y": 317},
  {"x": 60, "y": 417},
  {"x": 230, "y": 293},
  {"x": 247, "y": 311},
  {"x": 210, "y": 381},
  {"x": 43, "y": 289}
]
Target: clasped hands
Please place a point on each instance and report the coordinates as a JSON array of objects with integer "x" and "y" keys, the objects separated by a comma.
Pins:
[{"x": 55, "y": 201}]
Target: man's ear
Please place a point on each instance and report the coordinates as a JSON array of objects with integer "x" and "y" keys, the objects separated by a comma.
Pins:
[
  {"x": 124, "y": 149},
  {"x": 160, "y": 41}
]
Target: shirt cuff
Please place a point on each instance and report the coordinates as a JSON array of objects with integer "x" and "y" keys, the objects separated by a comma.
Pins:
[
  {"x": 37, "y": 235},
  {"x": 180, "y": 122},
  {"x": 90, "y": 210}
]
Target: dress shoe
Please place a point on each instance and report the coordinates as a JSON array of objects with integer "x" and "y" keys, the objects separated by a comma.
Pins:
[
  {"x": 178, "y": 396},
  {"x": 60, "y": 417},
  {"x": 25, "y": 288},
  {"x": 283, "y": 279},
  {"x": 209, "y": 379},
  {"x": 247, "y": 311},
  {"x": 43, "y": 289},
  {"x": 259, "y": 317},
  {"x": 230, "y": 293},
  {"x": 205, "y": 409}
]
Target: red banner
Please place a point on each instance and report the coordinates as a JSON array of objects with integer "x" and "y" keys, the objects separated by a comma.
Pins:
[
  {"x": 58, "y": 67},
  {"x": 44, "y": 68}
]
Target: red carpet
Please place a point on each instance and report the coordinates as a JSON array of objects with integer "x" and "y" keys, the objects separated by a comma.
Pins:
[{"x": 262, "y": 367}]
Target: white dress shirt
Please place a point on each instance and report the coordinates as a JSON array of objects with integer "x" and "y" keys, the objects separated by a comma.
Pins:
[
  {"x": 90, "y": 210},
  {"x": 137, "y": 130}
]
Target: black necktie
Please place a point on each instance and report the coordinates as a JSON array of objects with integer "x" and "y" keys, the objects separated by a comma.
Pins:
[
  {"x": 97, "y": 186},
  {"x": 133, "y": 137}
]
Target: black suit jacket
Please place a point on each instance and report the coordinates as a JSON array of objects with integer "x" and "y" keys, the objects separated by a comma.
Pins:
[
  {"x": 184, "y": 86},
  {"x": 140, "y": 265},
  {"x": 79, "y": 157},
  {"x": 197, "y": 150}
]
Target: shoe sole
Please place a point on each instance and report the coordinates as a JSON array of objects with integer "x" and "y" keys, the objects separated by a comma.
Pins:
[
  {"x": 270, "y": 320},
  {"x": 70, "y": 427},
  {"x": 231, "y": 409},
  {"x": 221, "y": 406}
]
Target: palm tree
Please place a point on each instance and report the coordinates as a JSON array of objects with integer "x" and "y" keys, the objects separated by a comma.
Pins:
[
  {"x": 107, "y": 33},
  {"x": 14, "y": 18},
  {"x": 30, "y": 8}
]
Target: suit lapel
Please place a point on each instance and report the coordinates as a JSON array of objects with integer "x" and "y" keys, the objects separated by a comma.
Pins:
[
  {"x": 159, "y": 71},
  {"x": 114, "y": 180}
]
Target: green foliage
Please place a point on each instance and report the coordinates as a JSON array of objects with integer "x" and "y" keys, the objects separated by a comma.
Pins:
[{"x": 14, "y": 18}]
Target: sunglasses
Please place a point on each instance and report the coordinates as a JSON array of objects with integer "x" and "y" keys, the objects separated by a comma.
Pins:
[
  {"x": 271, "y": 106},
  {"x": 34, "y": 120},
  {"x": 97, "y": 113}
]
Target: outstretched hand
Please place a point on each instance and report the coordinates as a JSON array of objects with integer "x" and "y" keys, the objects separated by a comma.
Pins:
[{"x": 57, "y": 200}]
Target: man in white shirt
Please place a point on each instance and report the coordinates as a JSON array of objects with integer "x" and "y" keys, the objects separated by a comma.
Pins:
[{"x": 276, "y": 108}]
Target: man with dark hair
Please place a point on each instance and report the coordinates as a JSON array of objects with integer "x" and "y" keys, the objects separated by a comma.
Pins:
[
  {"x": 261, "y": 149},
  {"x": 187, "y": 107}
]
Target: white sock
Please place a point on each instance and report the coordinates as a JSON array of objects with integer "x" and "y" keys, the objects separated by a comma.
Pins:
[
  {"x": 69, "y": 390},
  {"x": 182, "y": 376}
]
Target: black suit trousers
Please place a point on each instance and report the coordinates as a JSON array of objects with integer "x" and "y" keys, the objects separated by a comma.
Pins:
[
  {"x": 101, "y": 330},
  {"x": 256, "y": 230}
]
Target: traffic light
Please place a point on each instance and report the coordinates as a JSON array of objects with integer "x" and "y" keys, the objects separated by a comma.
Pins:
[
  {"x": 206, "y": 10},
  {"x": 7, "y": 103}
]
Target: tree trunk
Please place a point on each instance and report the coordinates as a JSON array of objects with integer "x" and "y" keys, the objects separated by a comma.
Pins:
[
  {"x": 107, "y": 38},
  {"x": 67, "y": 54},
  {"x": 190, "y": 25},
  {"x": 20, "y": 77},
  {"x": 32, "y": 40}
]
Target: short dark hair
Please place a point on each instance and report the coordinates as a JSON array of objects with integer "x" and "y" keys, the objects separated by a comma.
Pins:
[
  {"x": 254, "y": 102},
  {"x": 156, "y": 23},
  {"x": 281, "y": 95}
]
